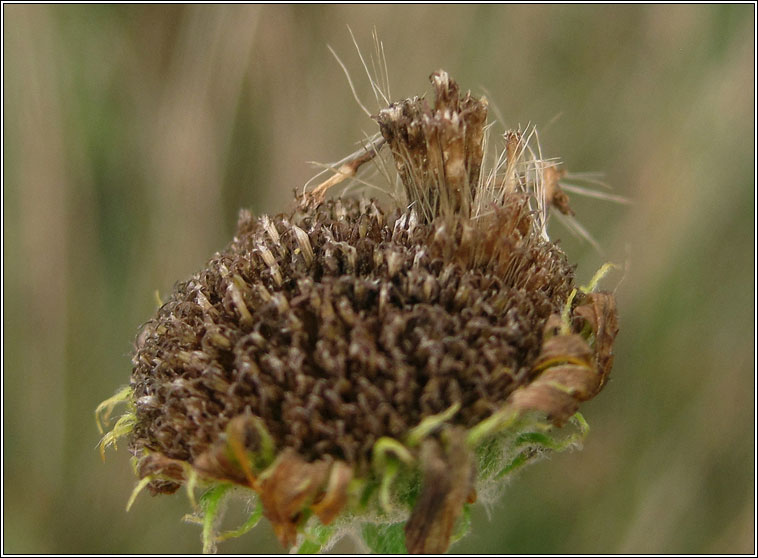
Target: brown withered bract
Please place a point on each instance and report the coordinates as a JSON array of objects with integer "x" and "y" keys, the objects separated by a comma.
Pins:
[
  {"x": 321, "y": 330},
  {"x": 555, "y": 196},
  {"x": 449, "y": 477}
]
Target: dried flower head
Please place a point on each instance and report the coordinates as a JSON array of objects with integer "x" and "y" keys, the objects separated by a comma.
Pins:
[{"x": 362, "y": 367}]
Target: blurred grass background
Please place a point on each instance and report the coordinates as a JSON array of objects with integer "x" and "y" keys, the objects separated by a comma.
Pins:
[{"x": 133, "y": 134}]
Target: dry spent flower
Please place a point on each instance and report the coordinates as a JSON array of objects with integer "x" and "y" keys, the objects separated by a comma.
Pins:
[{"x": 369, "y": 368}]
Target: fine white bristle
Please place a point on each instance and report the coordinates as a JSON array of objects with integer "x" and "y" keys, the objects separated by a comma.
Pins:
[{"x": 513, "y": 164}]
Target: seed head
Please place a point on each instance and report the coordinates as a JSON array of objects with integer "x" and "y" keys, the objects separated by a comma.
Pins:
[{"x": 366, "y": 366}]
